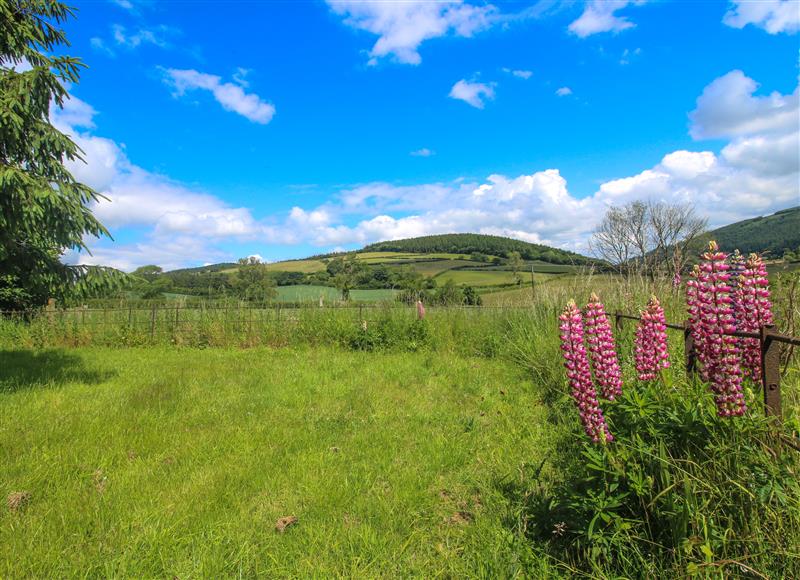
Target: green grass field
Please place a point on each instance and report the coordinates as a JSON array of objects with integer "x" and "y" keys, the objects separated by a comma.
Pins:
[
  {"x": 179, "y": 462},
  {"x": 303, "y": 266},
  {"x": 477, "y": 278},
  {"x": 312, "y": 294}
]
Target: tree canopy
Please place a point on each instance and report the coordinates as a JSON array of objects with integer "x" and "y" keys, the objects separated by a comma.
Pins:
[{"x": 44, "y": 211}]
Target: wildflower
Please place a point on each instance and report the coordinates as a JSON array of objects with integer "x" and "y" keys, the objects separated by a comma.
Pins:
[
  {"x": 600, "y": 339},
  {"x": 756, "y": 311},
  {"x": 676, "y": 281},
  {"x": 693, "y": 290},
  {"x": 714, "y": 325},
  {"x": 576, "y": 362},
  {"x": 737, "y": 268},
  {"x": 650, "y": 350},
  {"x": 420, "y": 310}
]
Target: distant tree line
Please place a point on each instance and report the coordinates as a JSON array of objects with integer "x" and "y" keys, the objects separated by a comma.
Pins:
[
  {"x": 251, "y": 280},
  {"x": 479, "y": 244}
]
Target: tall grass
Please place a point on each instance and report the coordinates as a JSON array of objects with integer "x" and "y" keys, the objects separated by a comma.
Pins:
[{"x": 680, "y": 492}]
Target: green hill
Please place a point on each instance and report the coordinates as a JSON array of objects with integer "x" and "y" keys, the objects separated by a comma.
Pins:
[
  {"x": 771, "y": 235},
  {"x": 478, "y": 243}
]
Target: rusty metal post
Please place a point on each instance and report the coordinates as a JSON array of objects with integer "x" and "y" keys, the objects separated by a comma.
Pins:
[
  {"x": 688, "y": 349},
  {"x": 771, "y": 371}
]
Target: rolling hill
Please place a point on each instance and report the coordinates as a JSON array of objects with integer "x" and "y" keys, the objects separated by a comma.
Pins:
[
  {"x": 771, "y": 235},
  {"x": 481, "y": 244}
]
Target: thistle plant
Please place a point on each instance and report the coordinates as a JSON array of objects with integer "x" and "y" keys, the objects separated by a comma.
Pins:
[
  {"x": 576, "y": 362},
  {"x": 603, "y": 352},
  {"x": 716, "y": 320},
  {"x": 650, "y": 347},
  {"x": 756, "y": 311}
]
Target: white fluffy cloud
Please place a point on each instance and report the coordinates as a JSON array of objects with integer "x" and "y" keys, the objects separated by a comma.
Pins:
[
  {"x": 564, "y": 92},
  {"x": 601, "y": 16},
  {"x": 232, "y": 96},
  {"x": 472, "y": 93},
  {"x": 402, "y": 26},
  {"x": 424, "y": 152},
  {"x": 180, "y": 224},
  {"x": 774, "y": 16},
  {"x": 519, "y": 73},
  {"x": 728, "y": 108},
  {"x": 757, "y": 172}
]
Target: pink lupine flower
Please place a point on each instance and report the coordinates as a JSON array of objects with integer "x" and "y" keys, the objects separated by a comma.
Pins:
[
  {"x": 693, "y": 291},
  {"x": 721, "y": 350},
  {"x": 600, "y": 339},
  {"x": 420, "y": 310},
  {"x": 738, "y": 266},
  {"x": 650, "y": 347},
  {"x": 756, "y": 311},
  {"x": 676, "y": 281},
  {"x": 576, "y": 362}
]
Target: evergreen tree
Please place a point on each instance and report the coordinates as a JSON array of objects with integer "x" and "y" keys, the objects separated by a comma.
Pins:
[{"x": 44, "y": 211}]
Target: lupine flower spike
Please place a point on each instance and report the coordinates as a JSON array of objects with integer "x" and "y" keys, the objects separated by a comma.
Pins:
[
  {"x": 693, "y": 291},
  {"x": 738, "y": 266},
  {"x": 714, "y": 325},
  {"x": 576, "y": 362},
  {"x": 650, "y": 350},
  {"x": 676, "y": 281},
  {"x": 753, "y": 296},
  {"x": 600, "y": 339}
]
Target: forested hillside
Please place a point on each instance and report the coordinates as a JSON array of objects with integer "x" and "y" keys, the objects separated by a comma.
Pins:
[
  {"x": 772, "y": 235},
  {"x": 478, "y": 243}
]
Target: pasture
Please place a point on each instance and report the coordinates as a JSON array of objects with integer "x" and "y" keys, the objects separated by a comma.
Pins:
[
  {"x": 137, "y": 444},
  {"x": 160, "y": 462},
  {"x": 305, "y": 293}
]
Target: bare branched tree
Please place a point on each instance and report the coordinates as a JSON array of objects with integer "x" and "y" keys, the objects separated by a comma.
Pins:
[
  {"x": 673, "y": 227},
  {"x": 647, "y": 238}
]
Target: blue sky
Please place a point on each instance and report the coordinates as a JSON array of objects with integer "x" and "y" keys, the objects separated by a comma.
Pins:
[{"x": 224, "y": 129}]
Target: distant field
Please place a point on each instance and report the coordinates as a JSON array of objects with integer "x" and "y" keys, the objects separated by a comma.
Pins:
[
  {"x": 477, "y": 278},
  {"x": 431, "y": 269},
  {"x": 303, "y": 266},
  {"x": 382, "y": 257},
  {"x": 312, "y": 294}
]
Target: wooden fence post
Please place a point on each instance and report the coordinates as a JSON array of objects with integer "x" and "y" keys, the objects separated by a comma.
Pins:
[
  {"x": 153, "y": 322},
  {"x": 688, "y": 349},
  {"x": 618, "y": 321},
  {"x": 771, "y": 371}
]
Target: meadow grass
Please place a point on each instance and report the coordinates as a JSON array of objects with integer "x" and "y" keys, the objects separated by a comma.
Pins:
[
  {"x": 442, "y": 447},
  {"x": 178, "y": 462},
  {"x": 306, "y": 293}
]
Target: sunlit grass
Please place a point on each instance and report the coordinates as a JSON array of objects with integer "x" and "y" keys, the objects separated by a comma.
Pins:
[{"x": 178, "y": 462}]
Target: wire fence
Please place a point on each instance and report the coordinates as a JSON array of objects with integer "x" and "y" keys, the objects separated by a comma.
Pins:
[{"x": 770, "y": 341}]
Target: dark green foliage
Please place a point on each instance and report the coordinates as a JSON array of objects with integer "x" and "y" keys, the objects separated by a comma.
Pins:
[
  {"x": 769, "y": 235},
  {"x": 479, "y": 244},
  {"x": 43, "y": 209},
  {"x": 680, "y": 489},
  {"x": 254, "y": 283}
]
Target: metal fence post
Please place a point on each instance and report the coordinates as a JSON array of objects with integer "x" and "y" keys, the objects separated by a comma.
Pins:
[
  {"x": 771, "y": 371},
  {"x": 688, "y": 348},
  {"x": 618, "y": 320}
]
